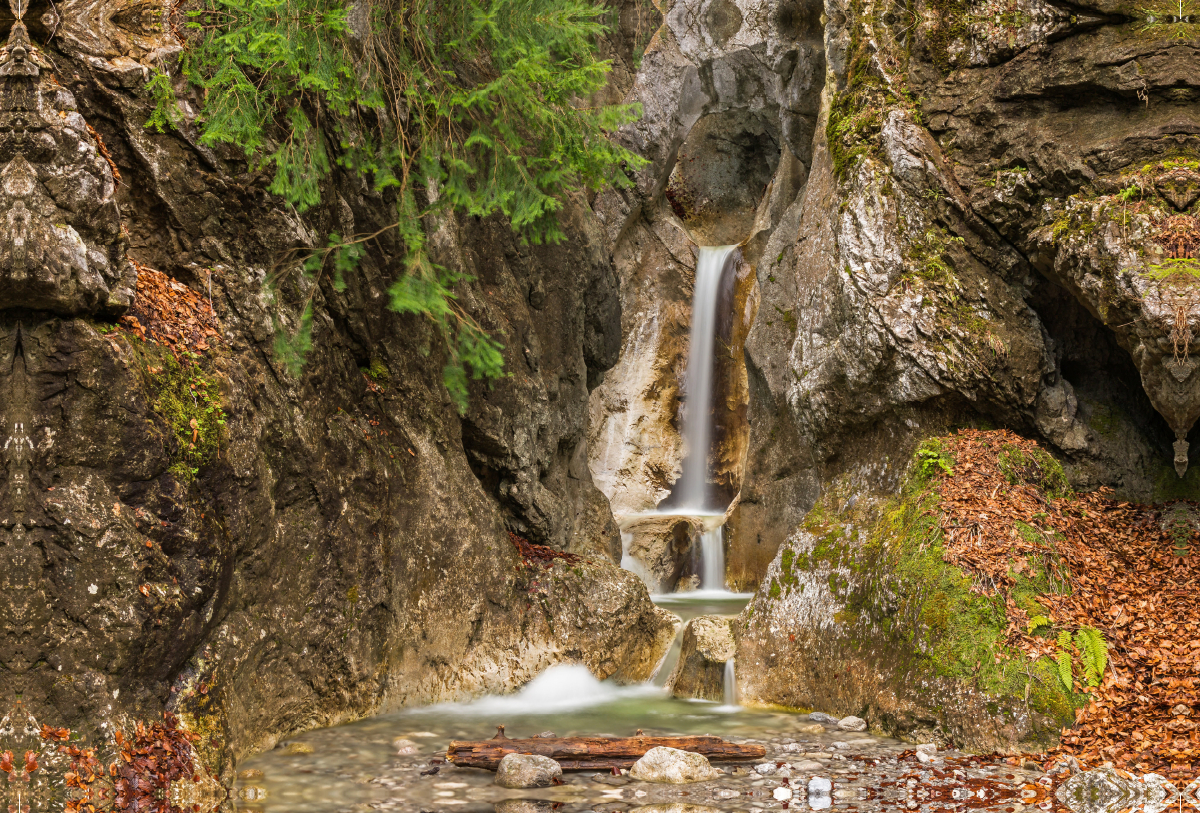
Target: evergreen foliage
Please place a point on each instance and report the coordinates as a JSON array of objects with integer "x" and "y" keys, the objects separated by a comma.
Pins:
[{"x": 473, "y": 106}]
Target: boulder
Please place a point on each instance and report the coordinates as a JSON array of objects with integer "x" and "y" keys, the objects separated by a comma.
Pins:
[
  {"x": 673, "y": 766},
  {"x": 706, "y": 646},
  {"x": 526, "y": 771}
]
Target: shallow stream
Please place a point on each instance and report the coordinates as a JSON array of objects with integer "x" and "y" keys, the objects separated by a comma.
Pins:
[{"x": 388, "y": 762}]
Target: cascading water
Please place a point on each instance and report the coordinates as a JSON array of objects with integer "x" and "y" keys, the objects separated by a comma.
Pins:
[
  {"x": 712, "y": 559},
  {"x": 689, "y": 499},
  {"x": 730, "y": 684},
  {"x": 697, "y": 416}
]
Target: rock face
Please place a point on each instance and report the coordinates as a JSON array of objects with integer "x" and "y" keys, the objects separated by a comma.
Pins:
[
  {"x": 255, "y": 549},
  {"x": 673, "y": 766},
  {"x": 706, "y": 646},
  {"x": 526, "y": 771}
]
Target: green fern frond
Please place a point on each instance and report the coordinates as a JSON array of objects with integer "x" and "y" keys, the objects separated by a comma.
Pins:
[
  {"x": 1093, "y": 652},
  {"x": 1038, "y": 622},
  {"x": 1063, "y": 658}
]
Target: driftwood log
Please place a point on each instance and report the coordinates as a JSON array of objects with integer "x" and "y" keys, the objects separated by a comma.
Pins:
[{"x": 589, "y": 753}]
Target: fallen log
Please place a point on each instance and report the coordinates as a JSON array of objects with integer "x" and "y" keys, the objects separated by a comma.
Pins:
[{"x": 590, "y": 753}]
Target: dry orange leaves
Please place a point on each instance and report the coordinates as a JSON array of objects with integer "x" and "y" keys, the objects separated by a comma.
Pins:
[
  {"x": 1128, "y": 576},
  {"x": 170, "y": 313}
]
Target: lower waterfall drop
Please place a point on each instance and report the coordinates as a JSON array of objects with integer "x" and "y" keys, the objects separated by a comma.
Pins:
[
  {"x": 729, "y": 685},
  {"x": 712, "y": 559}
]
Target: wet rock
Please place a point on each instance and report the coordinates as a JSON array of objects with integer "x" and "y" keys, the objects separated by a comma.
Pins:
[
  {"x": 766, "y": 768},
  {"x": 298, "y": 748},
  {"x": 706, "y": 647},
  {"x": 821, "y": 717},
  {"x": 523, "y": 806},
  {"x": 809, "y": 765},
  {"x": 526, "y": 771},
  {"x": 852, "y": 723},
  {"x": 405, "y": 746},
  {"x": 250, "y": 774},
  {"x": 673, "y": 766}
]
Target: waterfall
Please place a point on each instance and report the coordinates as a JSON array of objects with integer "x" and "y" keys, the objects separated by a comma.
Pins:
[
  {"x": 730, "y": 684},
  {"x": 712, "y": 559},
  {"x": 697, "y": 411}
]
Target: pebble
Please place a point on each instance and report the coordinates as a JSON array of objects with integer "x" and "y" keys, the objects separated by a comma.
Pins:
[
  {"x": 404, "y": 746},
  {"x": 782, "y": 794},
  {"x": 819, "y": 786},
  {"x": 820, "y": 717},
  {"x": 808, "y": 765},
  {"x": 927, "y": 748},
  {"x": 852, "y": 723},
  {"x": 766, "y": 769},
  {"x": 810, "y": 728}
]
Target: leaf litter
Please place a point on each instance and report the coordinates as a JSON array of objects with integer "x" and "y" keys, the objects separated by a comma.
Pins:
[{"x": 1129, "y": 571}]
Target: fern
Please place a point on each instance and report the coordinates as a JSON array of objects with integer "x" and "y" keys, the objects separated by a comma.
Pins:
[
  {"x": 1063, "y": 658},
  {"x": 1038, "y": 622},
  {"x": 1093, "y": 653},
  {"x": 469, "y": 106}
]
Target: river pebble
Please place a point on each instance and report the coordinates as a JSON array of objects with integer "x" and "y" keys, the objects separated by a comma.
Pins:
[{"x": 852, "y": 723}]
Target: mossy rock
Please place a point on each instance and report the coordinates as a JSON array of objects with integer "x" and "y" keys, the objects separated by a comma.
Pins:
[{"x": 862, "y": 614}]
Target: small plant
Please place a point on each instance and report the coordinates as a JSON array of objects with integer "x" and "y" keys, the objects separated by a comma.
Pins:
[
  {"x": 932, "y": 458},
  {"x": 1093, "y": 651},
  {"x": 1038, "y": 623},
  {"x": 1093, "y": 656},
  {"x": 166, "y": 115},
  {"x": 1063, "y": 659},
  {"x": 1127, "y": 194}
]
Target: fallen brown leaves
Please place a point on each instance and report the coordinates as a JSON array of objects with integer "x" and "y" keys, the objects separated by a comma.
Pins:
[
  {"x": 1126, "y": 580},
  {"x": 170, "y": 313},
  {"x": 138, "y": 777},
  {"x": 540, "y": 554}
]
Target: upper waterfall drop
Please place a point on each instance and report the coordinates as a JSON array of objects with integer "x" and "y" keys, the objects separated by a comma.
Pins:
[{"x": 698, "y": 380}]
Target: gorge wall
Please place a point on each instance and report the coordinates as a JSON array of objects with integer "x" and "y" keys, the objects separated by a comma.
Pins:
[{"x": 257, "y": 549}]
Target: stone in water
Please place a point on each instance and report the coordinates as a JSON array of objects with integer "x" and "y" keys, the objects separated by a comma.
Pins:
[
  {"x": 526, "y": 771},
  {"x": 672, "y": 766},
  {"x": 852, "y": 723}
]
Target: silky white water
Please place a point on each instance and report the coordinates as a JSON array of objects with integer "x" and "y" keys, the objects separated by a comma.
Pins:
[
  {"x": 730, "y": 684},
  {"x": 698, "y": 379},
  {"x": 712, "y": 559}
]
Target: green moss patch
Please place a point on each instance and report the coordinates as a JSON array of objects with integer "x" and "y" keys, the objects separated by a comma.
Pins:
[{"x": 187, "y": 397}]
